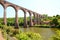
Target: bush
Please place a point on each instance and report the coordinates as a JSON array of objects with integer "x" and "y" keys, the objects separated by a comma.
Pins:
[
  {"x": 54, "y": 22},
  {"x": 1, "y": 26},
  {"x": 28, "y": 36},
  {"x": 57, "y": 36},
  {"x": 4, "y": 33}
]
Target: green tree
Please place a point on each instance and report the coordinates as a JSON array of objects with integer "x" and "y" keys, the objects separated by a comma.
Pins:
[
  {"x": 58, "y": 16},
  {"x": 55, "y": 22}
]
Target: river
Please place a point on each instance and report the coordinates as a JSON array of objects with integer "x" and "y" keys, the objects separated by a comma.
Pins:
[{"x": 46, "y": 33}]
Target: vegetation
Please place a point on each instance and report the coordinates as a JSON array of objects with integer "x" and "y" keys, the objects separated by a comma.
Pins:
[
  {"x": 44, "y": 22},
  {"x": 9, "y": 31},
  {"x": 57, "y": 36},
  {"x": 47, "y": 22},
  {"x": 11, "y": 21},
  {"x": 28, "y": 36},
  {"x": 53, "y": 22}
]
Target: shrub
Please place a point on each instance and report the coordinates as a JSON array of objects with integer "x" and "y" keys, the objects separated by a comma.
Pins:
[
  {"x": 4, "y": 33},
  {"x": 57, "y": 36},
  {"x": 28, "y": 36},
  {"x": 54, "y": 22},
  {"x": 1, "y": 26}
]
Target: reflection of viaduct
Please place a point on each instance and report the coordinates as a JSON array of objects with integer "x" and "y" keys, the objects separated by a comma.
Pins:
[{"x": 37, "y": 16}]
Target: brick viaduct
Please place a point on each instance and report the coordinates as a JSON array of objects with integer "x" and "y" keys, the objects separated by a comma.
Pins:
[{"x": 37, "y": 16}]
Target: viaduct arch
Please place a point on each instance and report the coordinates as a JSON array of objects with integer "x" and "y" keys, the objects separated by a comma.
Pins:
[{"x": 37, "y": 16}]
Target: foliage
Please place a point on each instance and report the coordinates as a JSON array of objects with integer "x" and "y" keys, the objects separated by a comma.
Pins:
[
  {"x": 28, "y": 36},
  {"x": 54, "y": 22},
  {"x": 11, "y": 21},
  {"x": 57, "y": 36},
  {"x": 58, "y": 16},
  {"x": 9, "y": 30},
  {"x": 4, "y": 33}
]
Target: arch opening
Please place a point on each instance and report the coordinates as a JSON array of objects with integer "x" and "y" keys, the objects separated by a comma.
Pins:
[
  {"x": 10, "y": 14},
  {"x": 1, "y": 13},
  {"x": 20, "y": 18},
  {"x": 33, "y": 18},
  {"x": 28, "y": 18}
]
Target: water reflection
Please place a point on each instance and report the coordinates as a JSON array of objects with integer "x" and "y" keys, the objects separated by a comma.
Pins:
[{"x": 46, "y": 33}]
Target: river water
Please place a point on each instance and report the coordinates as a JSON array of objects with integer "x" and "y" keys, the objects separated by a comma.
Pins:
[{"x": 46, "y": 33}]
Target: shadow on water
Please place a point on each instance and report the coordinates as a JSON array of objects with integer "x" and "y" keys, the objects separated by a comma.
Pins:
[{"x": 46, "y": 33}]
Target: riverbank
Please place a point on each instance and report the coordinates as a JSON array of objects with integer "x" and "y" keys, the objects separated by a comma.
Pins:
[{"x": 1, "y": 36}]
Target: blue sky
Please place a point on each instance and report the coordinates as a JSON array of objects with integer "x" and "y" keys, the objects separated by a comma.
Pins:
[{"x": 50, "y": 7}]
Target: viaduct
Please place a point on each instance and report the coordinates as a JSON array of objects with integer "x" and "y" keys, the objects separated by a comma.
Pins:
[{"x": 37, "y": 16}]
